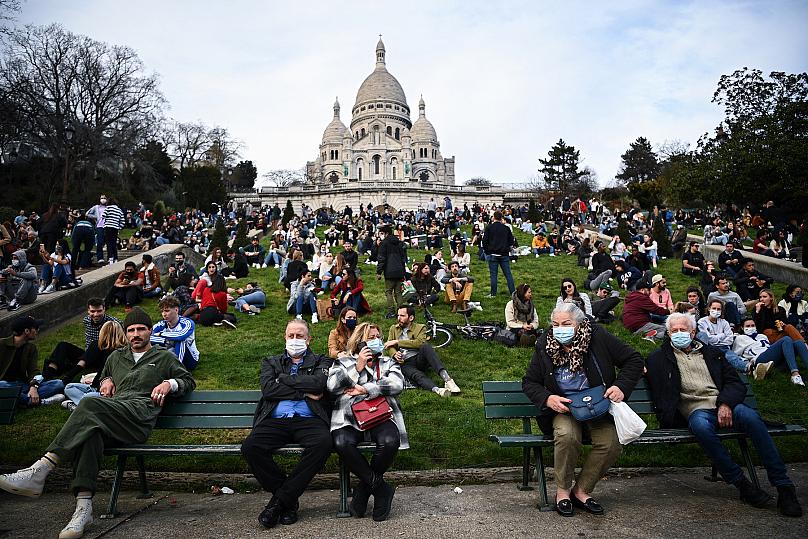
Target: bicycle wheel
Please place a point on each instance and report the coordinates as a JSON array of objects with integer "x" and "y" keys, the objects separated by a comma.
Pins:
[{"x": 441, "y": 338}]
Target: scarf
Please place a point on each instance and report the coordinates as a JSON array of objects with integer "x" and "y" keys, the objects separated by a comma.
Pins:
[
  {"x": 522, "y": 309},
  {"x": 579, "y": 347}
]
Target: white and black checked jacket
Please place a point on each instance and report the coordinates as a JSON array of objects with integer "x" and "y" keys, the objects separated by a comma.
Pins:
[{"x": 343, "y": 375}]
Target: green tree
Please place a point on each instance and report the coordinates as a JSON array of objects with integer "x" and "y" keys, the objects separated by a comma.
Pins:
[
  {"x": 241, "y": 235},
  {"x": 288, "y": 212},
  {"x": 244, "y": 175},
  {"x": 533, "y": 214},
  {"x": 660, "y": 234},
  {"x": 220, "y": 237},
  {"x": 639, "y": 163},
  {"x": 623, "y": 231},
  {"x": 202, "y": 186},
  {"x": 560, "y": 169}
]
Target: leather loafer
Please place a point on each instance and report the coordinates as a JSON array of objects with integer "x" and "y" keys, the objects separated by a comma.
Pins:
[
  {"x": 564, "y": 508},
  {"x": 271, "y": 514},
  {"x": 288, "y": 516},
  {"x": 590, "y": 505}
]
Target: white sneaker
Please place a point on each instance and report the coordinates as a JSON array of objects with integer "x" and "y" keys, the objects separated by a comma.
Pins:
[
  {"x": 228, "y": 323},
  {"x": 761, "y": 369},
  {"x": 254, "y": 309},
  {"x": 49, "y": 289},
  {"x": 797, "y": 379},
  {"x": 27, "y": 482},
  {"x": 82, "y": 517},
  {"x": 56, "y": 399},
  {"x": 299, "y": 317},
  {"x": 314, "y": 318},
  {"x": 451, "y": 386},
  {"x": 537, "y": 256},
  {"x": 552, "y": 254},
  {"x": 443, "y": 392},
  {"x": 69, "y": 405},
  {"x": 41, "y": 289}
]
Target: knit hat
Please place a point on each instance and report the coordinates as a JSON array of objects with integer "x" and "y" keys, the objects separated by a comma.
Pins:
[{"x": 137, "y": 316}]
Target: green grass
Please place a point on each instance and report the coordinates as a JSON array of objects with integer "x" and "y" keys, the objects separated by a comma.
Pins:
[{"x": 444, "y": 433}]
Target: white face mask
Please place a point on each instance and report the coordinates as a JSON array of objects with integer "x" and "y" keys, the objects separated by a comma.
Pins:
[
  {"x": 15, "y": 262},
  {"x": 715, "y": 314},
  {"x": 750, "y": 331},
  {"x": 103, "y": 201},
  {"x": 296, "y": 347}
]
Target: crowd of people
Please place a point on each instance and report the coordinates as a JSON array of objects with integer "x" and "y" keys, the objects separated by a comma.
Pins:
[{"x": 708, "y": 335}]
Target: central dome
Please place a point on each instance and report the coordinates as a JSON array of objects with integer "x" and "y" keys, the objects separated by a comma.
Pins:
[{"x": 380, "y": 85}]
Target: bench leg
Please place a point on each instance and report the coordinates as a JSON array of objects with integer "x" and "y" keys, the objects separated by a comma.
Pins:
[
  {"x": 344, "y": 487},
  {"x": 144, "y": 486},
  {"x": 544, "y": 502},
  {"x": 116, "y": 488},
  {"x": 747, "y": 458},
  {"x": 525, "y": 469},
  {"x": 713, "y": 477}
]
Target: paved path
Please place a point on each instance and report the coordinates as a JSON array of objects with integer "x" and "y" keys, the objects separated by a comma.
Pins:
[{"x": 678, "y": 504}]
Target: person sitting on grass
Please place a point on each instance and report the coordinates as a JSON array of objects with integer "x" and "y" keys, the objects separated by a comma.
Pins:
[
  {"x": 758, "y": 356},
  {"x": 137, "y": 379},
  {"x": 426, "y": 287},
  {"x": 771, "y": 320},
  {"x": 254, "y": 252},
  {"x": 604, "y": 303},
  {"x": 795, "y": 307},
  {"x": 176, "y": 333},
  {"x": 540, "y": 246},
  {"x": 716, "y": 331},
  {"x": 406, "y": 343},
  {"x": 693, "y": 260},
  {"x": 151, "y": 276},
  {"x": 211, "y": 293},
  {"x": 302, "y": 298},
  {"x": 19, "y": 365},
  {"x": 348, "y": 293},
  {"x": 637, "y": 311},
  {"x": 569, "y": 294},
  {"x": 128, "y": 287},
  {"x": 251, "y": 299},
  {"x": 521, "y": 317},
  {"x": 338, "y": 337},
  {"x": 458, "y": 286}
]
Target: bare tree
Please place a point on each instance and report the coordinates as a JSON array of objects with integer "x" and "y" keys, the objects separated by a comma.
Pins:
[
  {"x": 672, "y": 148},
  {"x": 284, "y": 177},
  {"x": 7, "y": 10},
  {"x": 187, "y": 143}
]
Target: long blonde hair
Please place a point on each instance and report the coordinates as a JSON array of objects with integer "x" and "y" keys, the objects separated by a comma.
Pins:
[
  {"x": 360, "y": 334},
  {"x": 111, "y": 336}
]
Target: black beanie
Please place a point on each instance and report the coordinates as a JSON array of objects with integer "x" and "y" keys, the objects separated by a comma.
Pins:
[{"x": 137, "y": 316}]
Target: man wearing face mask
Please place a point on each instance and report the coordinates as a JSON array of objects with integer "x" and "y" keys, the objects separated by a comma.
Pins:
[
  {"x": 291, "y": 410},
  {"x": 693, "y": 386},
  {"x": 18, "y": 282},
  {"x": 97, "y": 214},
  {"x": 128, "y": 287}
]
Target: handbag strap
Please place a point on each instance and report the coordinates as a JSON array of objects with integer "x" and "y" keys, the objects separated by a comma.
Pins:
[{"x": 597, "y": 366}]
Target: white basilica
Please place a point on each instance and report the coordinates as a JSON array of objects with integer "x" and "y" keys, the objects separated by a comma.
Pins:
[{"x": 382, "y": 143}]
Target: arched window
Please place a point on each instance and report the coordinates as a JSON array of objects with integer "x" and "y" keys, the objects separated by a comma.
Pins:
[
  {"x": 376, "y": 160},
  {"x": 398, "y": 132},
  {"x": 363, "y": 131},
  {"x": 424, "y": 176},
  {"x": 359, "y": 163},
  {"x": 360, "y": 173},
  {"x": 389, "y": 131},
  {"x": 336, "y": 154}
]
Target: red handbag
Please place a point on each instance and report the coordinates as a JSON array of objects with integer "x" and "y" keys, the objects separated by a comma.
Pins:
[{"x": 372, "y": 412}]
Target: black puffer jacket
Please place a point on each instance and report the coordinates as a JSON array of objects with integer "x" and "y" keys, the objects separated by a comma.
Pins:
[{"x": 392, "y": 258}]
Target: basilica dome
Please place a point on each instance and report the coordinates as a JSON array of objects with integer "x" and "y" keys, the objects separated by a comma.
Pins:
[
  {"x": 422, "y": 129},
  {"x": 380, "y": 85},
  {"x": 336, "y": 130}
]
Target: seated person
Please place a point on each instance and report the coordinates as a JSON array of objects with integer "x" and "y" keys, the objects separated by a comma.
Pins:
[
  {"x": 734, "y": 307},
  {"x": 151, "y": 276},
  {"x": 462, "y": 258},
  {"x": 177, "y": 270},
  {"x": 604, "y": 303},
  {"x": 19, "y": 360},
  {"x": 795, "y": 307},
  {"x": 128, "y": 287},
  {"x": 251, "y": 299},
  {"x": 637, "y": 311},
  {"x": 302, "y": 298},
  {"x": 458, "y": 287},
  {"x": 749, "y": 283},
  {"x": 137, "y": 243},
  {"x": 540, "y": 246},
  {"x": 693, "y": 386},
  {"x": 569, "y": 294},
  {"x": 602, "y": 266},
  {"x": 521, "y": 317},
  {"x": 176, "y": 333},
  {"x": 254, "y": 252},
  {"x": 241, "y": 268},
  {"x": 426, "y": 287},
  {"x": 295, "y": 268},
  {"x": 626, "y": 274},
  {"x": 211, "y": 293},
  {"x": 730, "y": 260},
  {"x": 275, "y": 255},
  {"x": 57, "y": 269},
  {"x": 660, "y": 293},
  {"x": 758, "y": 355},
  {"x": 716, "y": 331},
  {"x": 18, "y": 282},
  {"x": 349, "y": 293},
  {"x": 707, "y": 281},
  {"x": 406, "y": 343},
  {"x": 692, "y": 260},
  {"x": 338, "y": 337}
]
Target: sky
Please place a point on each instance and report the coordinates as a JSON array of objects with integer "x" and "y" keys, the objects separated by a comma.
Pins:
[{"x": 502, "y": 81}]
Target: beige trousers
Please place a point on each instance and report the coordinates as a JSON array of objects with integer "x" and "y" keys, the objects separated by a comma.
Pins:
[{"x": 567, "y": 433}]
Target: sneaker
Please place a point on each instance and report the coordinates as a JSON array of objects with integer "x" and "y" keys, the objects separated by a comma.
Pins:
[
  {"x": 56, "y": 399},
  {"x": 797, "y": 379},
  {"x": 41, "y": 289},
  {"x": 69, "y": 405},
  {"x": 82, "y": 517},
  {"x": 299, "y": 317},
  {"x": 229, "y": 324},
  {"x": 314, "y": 318},
  {"x": 552, "y": 254},
  {"x": 761, "y": 369},
  {"x": 254, "y": 309},
  {"x": 217, "y": 324},
  {"x": 443, "y": 392},
  {"x": 50, "y": 289},
  {"x": 27, "y": 482},
  {"x": 752, "y": 495},
  {"x": 14, "y": 305},
  {"x": 537, "y": 256},
  {"x": 231, "y": 278},
  {"x": 787, "y": 502},
  {"x": 451, "y": 386},
  {"x": 489, "y": 296}
]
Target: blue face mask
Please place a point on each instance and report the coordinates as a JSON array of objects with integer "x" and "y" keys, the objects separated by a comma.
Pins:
[
  {"x": 376, "y": 345},
  {"x": 564, "y": 334},
  {"x": 681, "y": 339},
  {"x": 350, "y": 323}
]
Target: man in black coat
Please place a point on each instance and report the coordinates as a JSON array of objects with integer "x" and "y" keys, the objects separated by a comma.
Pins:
[
  {"x": 497, "y": 243},
  {"x": 392, "y": 258},
  {"x": 291, "y": 410},
  {"x": 692, "y": 384}
]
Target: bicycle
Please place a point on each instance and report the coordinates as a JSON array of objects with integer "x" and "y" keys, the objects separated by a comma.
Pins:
[{"x": 441, "y": 334}]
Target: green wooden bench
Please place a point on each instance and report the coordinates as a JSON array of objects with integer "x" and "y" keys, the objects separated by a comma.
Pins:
[
  {"x": 9, "y": 398},
  {"x": 207, "y": 410},
  {"x": 506, "y": 400}
]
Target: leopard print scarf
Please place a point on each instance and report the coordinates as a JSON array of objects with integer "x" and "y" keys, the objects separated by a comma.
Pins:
[{"x": 579, "y": 347}]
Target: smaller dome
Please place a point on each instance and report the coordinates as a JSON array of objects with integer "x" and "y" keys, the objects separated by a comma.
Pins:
[
  {"x": 336, "y": 130},
  {"x": 422, "y": 129}
]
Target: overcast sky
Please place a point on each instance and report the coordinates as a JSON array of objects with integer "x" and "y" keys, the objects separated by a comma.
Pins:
[{"x": 502, "y": 81}]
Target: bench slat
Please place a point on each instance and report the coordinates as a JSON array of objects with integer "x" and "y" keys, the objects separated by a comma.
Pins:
[
  {"x": 218, "y": 396},
  {"x": 511, "y": 411},
  {"x": 205, "y": 422},
  {"x": 210, "y": 408},
  {"x": 209, "y": 449}
]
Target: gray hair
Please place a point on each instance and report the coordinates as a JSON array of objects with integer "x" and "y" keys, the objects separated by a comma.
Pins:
[
  {"x": 676, "y": 317},
  {"x": 299, "y": 322},
  {"x": 575, "y": 313}
]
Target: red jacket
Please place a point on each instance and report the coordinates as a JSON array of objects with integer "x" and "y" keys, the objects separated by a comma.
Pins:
[
  {"x": 209, "y": 298},
  {"x": 342, "y": 287},
  {"x": 637, "y": 309}
]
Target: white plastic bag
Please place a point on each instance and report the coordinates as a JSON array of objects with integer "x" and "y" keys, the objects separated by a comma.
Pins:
[{"x": 629, "y": 425}]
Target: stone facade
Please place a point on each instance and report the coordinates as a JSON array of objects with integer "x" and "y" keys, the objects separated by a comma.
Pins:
[{"x": 382, "y": 145}]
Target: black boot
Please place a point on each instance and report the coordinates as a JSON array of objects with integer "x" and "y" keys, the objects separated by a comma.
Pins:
[
  {"x": 359, "y": 502},
  {"x": 271, "y": 514},
  {"x": 382, "y": 499},
  {"x": 787, "y": 502},
  {"x": 751, "y": 494}
]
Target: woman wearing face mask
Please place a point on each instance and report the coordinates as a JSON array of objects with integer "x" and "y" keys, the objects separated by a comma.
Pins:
[
  {"x": 366, "y": 374},
  {"x": 573, "y": 356},
  {"x": 57, "y": 270},
  {"x": 759, "y": 355},
  {"x": 795, "y": 307},
  {"x": 715, "y": 330},
  {"x": 338, "y": 337}
]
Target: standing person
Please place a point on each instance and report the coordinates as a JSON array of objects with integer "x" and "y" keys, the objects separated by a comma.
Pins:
[
  {"x": 137, "y": 380},
  {"x": 18, "y": 282},
  {"x": 693, "y": 385},
  {"x": 97, "y": 214},
  {"x": 19, "y": 366},
  {"x": 176, "y": 333},
  {"x": 574, "y": 356},
  {"x": 338, "y": 337},
  {"x": 52, "y": 227},
  {"x": 113, "y": 223},
  {"x": 365, "y": 373},
  {"x": 392, "y": 258},
  {"x": 497, "y": 243},
  {"x": 406, "y": 343},
  {"x": 82, "y": 239},
  {"x": 291, "y": 410}
]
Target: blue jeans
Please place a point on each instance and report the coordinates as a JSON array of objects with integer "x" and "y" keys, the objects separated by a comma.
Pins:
[
  {"x": 301, "y": 303},
  {"x": 49, "y": 273},
  {"x": 153, "y": 293},
  {"x": 781, "y": 353},
  {"x": 704, "y": 424},
  {"x": 46, "y": 389},
  {"x": 731, "y": 313},
  {"x": 733, "y": 358},
  {"x": 100, "y": 241},
  {"x": 543, "y": 250},
  {"x": 504, "y": 262},
  {"x": 76, "y": 392},
  {"x": 272, "y": 259},
  {"x": 257, "y": 298}
]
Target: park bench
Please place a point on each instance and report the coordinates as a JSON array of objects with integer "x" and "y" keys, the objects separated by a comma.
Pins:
[
  {"x": 506, "y": 400},
  {"x": 9, "y": 398},
  {"x": 206, "y": 410}
]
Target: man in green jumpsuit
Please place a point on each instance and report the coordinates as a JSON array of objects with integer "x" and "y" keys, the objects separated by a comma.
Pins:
[{"x": 134, "y": 385}]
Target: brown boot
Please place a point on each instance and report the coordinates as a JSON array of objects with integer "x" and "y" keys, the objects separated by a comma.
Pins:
[
  {"x": 465, "y": 305},
  {"x": 454, "y": 306}
]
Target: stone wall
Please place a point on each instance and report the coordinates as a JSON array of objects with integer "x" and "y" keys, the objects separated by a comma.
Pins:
[{"x": 779, "y": 270}]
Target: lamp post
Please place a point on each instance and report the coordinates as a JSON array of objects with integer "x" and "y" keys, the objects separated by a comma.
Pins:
[{"x": 69, "y": 131}]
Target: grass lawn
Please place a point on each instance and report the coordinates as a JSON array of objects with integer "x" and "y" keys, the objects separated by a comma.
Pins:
[{"x": 444, "y": 433}]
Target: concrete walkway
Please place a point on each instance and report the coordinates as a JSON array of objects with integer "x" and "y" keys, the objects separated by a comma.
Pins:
[{"x": 680, "y": 504}]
